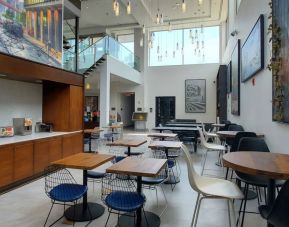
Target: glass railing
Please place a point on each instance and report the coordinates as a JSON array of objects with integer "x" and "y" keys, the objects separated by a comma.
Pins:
[{"x": 89, "y": 55}]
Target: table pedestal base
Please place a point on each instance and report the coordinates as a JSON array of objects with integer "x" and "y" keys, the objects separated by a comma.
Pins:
[
  {"x": 173, "y": 180},
  {"x": 153, "y": 220},
  {"x": 76, "y": 213}
]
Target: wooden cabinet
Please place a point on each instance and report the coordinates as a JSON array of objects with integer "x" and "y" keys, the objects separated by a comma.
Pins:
[
  {"x": 63, "y": 106},
  {"x": 55, "y": 149},
  {"x": 41, "y": 155},
  {"x": 6, "y": 165},
  {"x": 72, "y": 144},
  {"x": 23, "y": 161}
]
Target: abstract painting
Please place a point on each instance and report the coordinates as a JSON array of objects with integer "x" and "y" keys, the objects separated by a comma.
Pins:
[
  {"x": 32, "y": 29},
  {"x": 253, "y": 51},
  {"x": 235, "y": 97},
  {"x": 280, "y": 60},
  {"x": 195, "y": 96}
]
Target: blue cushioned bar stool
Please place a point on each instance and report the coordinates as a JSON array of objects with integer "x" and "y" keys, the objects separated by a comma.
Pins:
[{"x": 62, "y": 189}]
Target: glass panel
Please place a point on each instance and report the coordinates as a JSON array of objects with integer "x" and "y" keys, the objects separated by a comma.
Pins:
[
  {"x": 166, "y": 48},
  {"x": 201, "y": 46}
]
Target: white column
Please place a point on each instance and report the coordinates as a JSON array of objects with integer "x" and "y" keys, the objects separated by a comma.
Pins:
[{"x": 104, "y": 95}]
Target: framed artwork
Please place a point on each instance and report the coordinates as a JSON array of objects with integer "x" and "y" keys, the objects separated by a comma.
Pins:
[
  {"x": 32, "y": 30},
  {"x": 195, "y": 96},
  {"x": 280, "y": 62},
  {"x": 253, "y": 51},
  {"x": 235, "y": 72},
  {"x": 229, "y": 78},
  {"x": 91, "y": 103}
]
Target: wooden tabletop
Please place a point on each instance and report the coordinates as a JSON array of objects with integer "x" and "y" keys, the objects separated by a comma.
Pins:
[
  {"x": 85, "y": 161},
  {"x": 145, "y": 167},
  {"x": 166, "y": 144},
  {"x": 183, "y": 125},
  {"x": 271, "y": 165},
  {"x": 93, "y": 130},
  {"x": 127, "y": 142},
  {"x": 162, "y": 135},
  {"x": 113, "y": 126},
  {"x": 232, "y": 134}
]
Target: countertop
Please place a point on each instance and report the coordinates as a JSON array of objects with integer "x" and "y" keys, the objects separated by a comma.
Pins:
[{"x": 33, "y": 136}]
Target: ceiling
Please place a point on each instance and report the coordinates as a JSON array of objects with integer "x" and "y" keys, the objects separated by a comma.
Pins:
[{"x": 97, "y": 13}]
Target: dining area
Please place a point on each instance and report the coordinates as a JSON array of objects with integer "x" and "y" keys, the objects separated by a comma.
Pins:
[{"x": 154, "y": 179}]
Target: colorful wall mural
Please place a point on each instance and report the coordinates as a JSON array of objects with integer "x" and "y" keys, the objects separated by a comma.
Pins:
[{"x": 32, "y": 29}]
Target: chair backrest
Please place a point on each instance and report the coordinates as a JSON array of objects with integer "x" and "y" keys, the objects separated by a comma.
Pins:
[
  {"x": 279, "y": 213},
  {"x": 164, "y": 173},
  {"x": 238, "y": 137},
  {"x": 253, "y": 144},
  {"x": 235, "y": 128},
  {"x": 202, "y": 137},
  {"x": 226, "y": 127},
  {"x": 192, "y": 174},
  {"x": 55, "y": 176}
]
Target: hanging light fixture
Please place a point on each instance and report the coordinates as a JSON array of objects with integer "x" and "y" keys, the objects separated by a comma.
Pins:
[
  {"x": 161, "y": 19},
  {"x": 170, "y": 27},
  {"x": 114, "y": 5},
  {"x": 128, "y": 7},
  {"x": 116, "y": 9},
  {"x": 184, "y": 6},
  {"x": 87, "y": 86},
  {"x": 143, "y": 29},
  {"x": 191, "y": 33},
  {"x": 158, "y": 17},
  {"x": 200, "y": 2},
  {"x": 141, "y": 42}
]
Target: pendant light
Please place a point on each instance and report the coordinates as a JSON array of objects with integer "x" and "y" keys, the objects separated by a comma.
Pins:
[
  {"x": 141, "y": 42},
  {"x": 184, "y": 6},
  {"x": 114, "y": 5},
  {"x": 200, "y": 2},
  {"x": 87, "y": 86},
  {"x": 143, "y": 29},
  {"x": 128, "y": 8},
  {"x": 170, "y": 27},
  {"x": 116, "y": 9}
]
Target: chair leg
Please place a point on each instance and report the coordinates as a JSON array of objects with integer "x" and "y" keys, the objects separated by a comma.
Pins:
[
  {"x": 198, "y": 211},
  {"x": 204, "y": 164},
  {"x": 109, "y": 213},
  {"x": 245, "y": 203},
  {"x": 195, "y": 210},
  {"x": 157, "y": 197},
  {"x": 231, "y": 207},
  {"x": 145, "y": 217},
  {"x": 48, "y": 214},
  {"x": 165, "y": 200}
]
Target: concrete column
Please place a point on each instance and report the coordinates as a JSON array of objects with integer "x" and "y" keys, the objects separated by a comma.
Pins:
[
  {"x": 104, "y": 96},
  {"x": 138, "y": 50}
]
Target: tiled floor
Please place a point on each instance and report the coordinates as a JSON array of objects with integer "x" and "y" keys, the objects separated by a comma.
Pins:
[{"x": 28, "y": 206}]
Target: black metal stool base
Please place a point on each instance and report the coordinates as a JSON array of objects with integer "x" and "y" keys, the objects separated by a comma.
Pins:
[
  {"x": 173, "y": 180},
  {"x": 251, "y": 194},
  {"x": 95, "y": 211},
  {"x": 153, "y": 220}
]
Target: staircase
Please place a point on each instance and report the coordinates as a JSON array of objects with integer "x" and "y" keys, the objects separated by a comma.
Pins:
[{"x": 91, "y": 56}]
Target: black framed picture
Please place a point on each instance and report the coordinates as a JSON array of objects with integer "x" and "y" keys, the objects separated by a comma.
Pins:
[
  {"x": 195, "y": 96},
  {"x": 235, "y": 72},
  {"x": 253, "y": 51},
  {"x": 229, "y": 78}
]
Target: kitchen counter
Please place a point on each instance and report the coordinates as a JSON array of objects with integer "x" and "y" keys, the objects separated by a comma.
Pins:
[{"x": 33, "y": 136}]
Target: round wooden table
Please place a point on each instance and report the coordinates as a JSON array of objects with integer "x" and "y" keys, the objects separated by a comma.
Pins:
[
  {"x": 271, "y": 165},
  {"x": 232, "y": 134}
]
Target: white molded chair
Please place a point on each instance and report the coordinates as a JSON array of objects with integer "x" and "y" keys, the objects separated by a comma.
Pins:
[
  {"x": 209, "y": 147},
  {"x": 209, "y": 135},
  {"x": 211, "y": 188}
]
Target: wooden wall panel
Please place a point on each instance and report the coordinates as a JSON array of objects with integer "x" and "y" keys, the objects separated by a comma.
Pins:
[
  {"x": 78, "y": 143},
  {"x": 76, "y": 108},
  {"x": 23, "y": 161},
  {"x": 21, "y": 69},
  {"x": 6, "y": 165}
]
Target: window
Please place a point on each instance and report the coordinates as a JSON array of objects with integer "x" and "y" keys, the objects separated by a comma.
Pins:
[{"x": 185, "y": 46}]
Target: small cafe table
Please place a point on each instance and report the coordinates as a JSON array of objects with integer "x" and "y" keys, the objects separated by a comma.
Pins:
[
  {"x": 232, "y": 134},
  {"x": 89, "y": 132},
  {"x": 113, "y": 127},
  {"x": 271, "y": 165},
  {"x": 162, "y": 136},
  {"x": 128, "y": 143},
  {"x": 84, "y": 161},
  {"x": 139, "y": 167},
  {"x": 166, "y": 145}
]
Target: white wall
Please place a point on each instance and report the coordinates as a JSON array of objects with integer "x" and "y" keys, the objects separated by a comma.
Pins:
[
  {"x": 170, "y": 81},
  {"x": 19, "y": 99},
  {"x": 256, "y": 101}
]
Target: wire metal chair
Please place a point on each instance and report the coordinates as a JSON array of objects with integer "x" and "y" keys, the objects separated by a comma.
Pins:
[
  {"x": 121, "y": 197},
  {"x": 152, "y": 183},
  {"x": 62, "y": 189}
]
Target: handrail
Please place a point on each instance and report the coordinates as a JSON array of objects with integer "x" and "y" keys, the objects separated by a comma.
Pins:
[{"x": 93, "y": 44}]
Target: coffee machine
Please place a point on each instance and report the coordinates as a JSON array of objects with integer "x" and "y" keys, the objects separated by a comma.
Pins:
[{"x": 22, "y": 126}]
